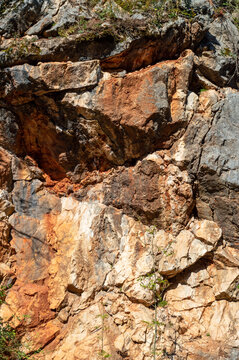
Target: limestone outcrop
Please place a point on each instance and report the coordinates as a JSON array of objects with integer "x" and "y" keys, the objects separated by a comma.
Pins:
[{"x": 119, "y": 179}]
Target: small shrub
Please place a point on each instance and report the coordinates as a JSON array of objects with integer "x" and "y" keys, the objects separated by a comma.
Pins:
[
  {"x": 106, "y": 13},
  {"x": 102, "y": 353},
  {"x": 3, "y": 289},
  {"x": 10, "y": 343},
  {"x": 157, "y": 284}
]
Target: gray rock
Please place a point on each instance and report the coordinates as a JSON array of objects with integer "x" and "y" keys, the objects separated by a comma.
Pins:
[
  {"x": 8, "y": 129},
  {"x": 220, "y": 152},
  {"x": 31, "y": 200},
  {"x": 68, "y": 16},
  {"x": 26, "y": 80},
  {"x": 138, "y": 16},
  {"x": 6, "y": 206},
  {"x": 38, "y": 28},
  {"x": 219, "y": 168},
  {"x": 209, "y": 150},
  {"x": 124, "y": 51},
  {"x": 218, "y": 52},
  {"x": 20, "y": 16},
  {"x": 200, "y": 6}
]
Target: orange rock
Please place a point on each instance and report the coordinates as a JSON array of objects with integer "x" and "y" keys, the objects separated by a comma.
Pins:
[
  {"x": 40, "y": 337},
  {"x": 5, "y": 169},
  {"x": 29, "y": 305}
]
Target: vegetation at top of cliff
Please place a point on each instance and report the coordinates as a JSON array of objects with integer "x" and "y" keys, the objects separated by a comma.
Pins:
[
  {"x": 167, "y": 7},
  {"x": 145, "y": 13},
  {"x": 115, "y": 20},
  {"x": 149, "y": 12},
  {"x": 121, "y": 17}
]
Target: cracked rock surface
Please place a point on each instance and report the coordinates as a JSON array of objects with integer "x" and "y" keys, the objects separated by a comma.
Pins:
[{"x": 119, "y": 180}]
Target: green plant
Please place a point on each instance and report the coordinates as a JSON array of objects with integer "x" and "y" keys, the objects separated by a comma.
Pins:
[
  {"x": 3, "y": 289},
  {"x": 20, "y": 48},
  {"x": 227, "y": 52},
  {"x": 106, "y": 13},
  {"x": 126, "y": 5},
  {"x": 157, "y": 284},
  {"x": 66, "y": 31},
  {"x": 10, "y": 344},
  {"x": 3, "y": 293},
  {"x": 92, "y": 3},
  {"x": 102, "y": 353},
  {"x": 80, "y": 26},
  {"x": 236, "y": 21},
  {"x": 10, "y": 339},
  {"x": 228, "y": 7},
  {"x": 226, "y": 11}
]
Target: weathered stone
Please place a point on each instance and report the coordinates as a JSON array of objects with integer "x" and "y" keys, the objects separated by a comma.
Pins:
[
  {"x": 145, "y": 52},
  {"x": 31, "y": 199},
  {"x": 211, "y": 159},
  {"x": 19, "y": 16},
  {"x": 124, "y": 252},
  {"x": 26, "y": 81},
  {"x": 73, "y": 48},
  {"x": 202, "y": 6},
  {"x": 141, "y": 121},
  {"x": 186, "y": 152},
  {"x": 126, "y": 45},
  {"x": 41, "y": 337},
  {"x": 4, "y": 238},
  {"x": 25, "y": 170},
  {"x": 141, "y": 191},
  {"x": 217, "y": 54},
  {"x": 5, "y": 170},
  {"x": 207, "y": 231},
  {"x": 9, "y": 130},
  {"x": 48, "y": 144},
  {"x": 218, "y": 170},
  {"x": 27, "y": 305},
  {"x": 227, "y": 255},
  {"x": 227, "y": 284},
  {"x": 88, "y": 130},
  {"x": 40, "y": 25},
  {"x": 91, "y": 159},
  {"x": 6, "y": 206},
  {"x": 188, "y": 247}
]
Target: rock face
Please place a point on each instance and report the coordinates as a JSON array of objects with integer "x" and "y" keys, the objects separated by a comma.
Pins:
[{"x": 119, "y": 179}]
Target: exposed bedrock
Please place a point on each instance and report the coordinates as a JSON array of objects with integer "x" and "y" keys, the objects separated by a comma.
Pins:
[
  {"x": 119, "y": 180},
  {"x": 212, "y": 159},
  {"x": 104, "y": 123}
]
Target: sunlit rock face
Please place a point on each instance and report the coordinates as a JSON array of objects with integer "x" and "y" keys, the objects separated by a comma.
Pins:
[{"x": 119, "y": 182}]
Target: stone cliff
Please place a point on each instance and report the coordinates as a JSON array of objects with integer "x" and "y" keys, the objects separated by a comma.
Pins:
[{"x": 119, "y": 177}]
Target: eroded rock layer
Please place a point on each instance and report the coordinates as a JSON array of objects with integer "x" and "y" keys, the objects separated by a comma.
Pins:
[{"x": 119, "y": 176}]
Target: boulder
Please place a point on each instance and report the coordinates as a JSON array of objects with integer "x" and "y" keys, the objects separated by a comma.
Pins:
[{"x": 49, "y": 77}]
